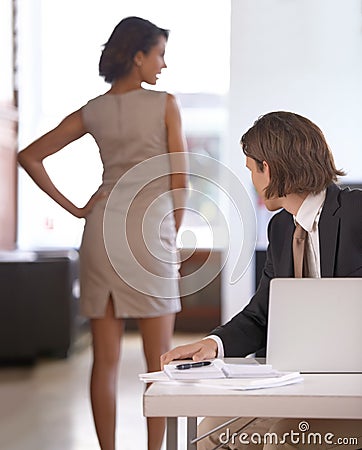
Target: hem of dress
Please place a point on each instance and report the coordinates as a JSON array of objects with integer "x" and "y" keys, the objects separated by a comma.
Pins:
[{"x": 131, "y": 316}]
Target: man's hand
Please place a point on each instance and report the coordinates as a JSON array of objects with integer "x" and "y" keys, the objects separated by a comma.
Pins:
[{"x": 198, "y": 351}]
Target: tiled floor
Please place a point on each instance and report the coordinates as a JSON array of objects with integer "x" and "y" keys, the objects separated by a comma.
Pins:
[{"x": 46, "y": 406}]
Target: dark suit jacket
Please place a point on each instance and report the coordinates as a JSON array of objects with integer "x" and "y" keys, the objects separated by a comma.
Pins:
[{"x": 340, "y": 240}]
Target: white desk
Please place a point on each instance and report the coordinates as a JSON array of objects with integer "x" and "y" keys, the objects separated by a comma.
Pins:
[{"x": 329, "y": 396}]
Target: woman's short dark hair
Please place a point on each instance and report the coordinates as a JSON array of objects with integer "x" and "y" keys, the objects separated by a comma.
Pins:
[
  {"x": 130, "y": 36},
  {"x": 296, "y": 151}
]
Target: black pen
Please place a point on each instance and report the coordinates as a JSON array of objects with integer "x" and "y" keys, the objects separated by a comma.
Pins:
[{"x": 192, "y": 365}]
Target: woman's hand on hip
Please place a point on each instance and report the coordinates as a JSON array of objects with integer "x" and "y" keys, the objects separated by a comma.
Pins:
[{"x": 83, "y": 212}]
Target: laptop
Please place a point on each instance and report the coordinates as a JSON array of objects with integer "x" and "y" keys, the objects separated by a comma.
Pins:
[{"x": 315, "y": 325}]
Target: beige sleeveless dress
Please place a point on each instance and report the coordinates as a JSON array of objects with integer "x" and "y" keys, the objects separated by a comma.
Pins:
[{"x": 128, "y": 251}]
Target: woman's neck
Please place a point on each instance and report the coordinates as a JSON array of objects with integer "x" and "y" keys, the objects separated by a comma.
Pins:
[{"x": 125, "y": 85}]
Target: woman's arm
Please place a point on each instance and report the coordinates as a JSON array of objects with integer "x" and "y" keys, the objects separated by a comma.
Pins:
[
  {"x": 178, "y": 158},
  {"x": 31, "y": 159}
]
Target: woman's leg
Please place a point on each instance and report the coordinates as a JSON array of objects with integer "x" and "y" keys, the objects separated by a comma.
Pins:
[
  {"x": 157, "y": 335},
  {"x": 107, "y": 333}
]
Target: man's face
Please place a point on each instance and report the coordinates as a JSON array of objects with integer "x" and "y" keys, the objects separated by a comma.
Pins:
[{"x": 261, "y": 180}]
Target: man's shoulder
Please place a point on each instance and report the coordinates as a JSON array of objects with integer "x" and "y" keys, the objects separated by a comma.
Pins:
[
  {"x": 345, "y": 197},
  {"x": 279, "y": 224},
  {"x": 281, "y": 217},
  {"x": 349, "y": 194}
]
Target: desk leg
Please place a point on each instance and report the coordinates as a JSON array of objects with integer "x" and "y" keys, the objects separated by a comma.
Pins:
[
  {"x": 171, "y": 433},
  {"x": 191, "y": 432}
]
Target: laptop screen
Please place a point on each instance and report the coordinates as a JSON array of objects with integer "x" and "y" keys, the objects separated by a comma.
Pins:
[{"x": 314, "y": 325}]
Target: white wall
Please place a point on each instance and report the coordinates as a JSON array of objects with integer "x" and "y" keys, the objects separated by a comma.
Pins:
[{"x": 302, "y": 56}]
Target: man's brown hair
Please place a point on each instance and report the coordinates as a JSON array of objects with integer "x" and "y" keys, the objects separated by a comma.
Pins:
[{"x": 296, "y": 151}]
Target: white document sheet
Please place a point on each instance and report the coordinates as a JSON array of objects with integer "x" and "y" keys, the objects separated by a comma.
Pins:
[{"x": 244, "y": 375}]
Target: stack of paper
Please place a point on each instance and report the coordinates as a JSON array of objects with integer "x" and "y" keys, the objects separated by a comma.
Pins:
[
  {"x": 151, "y": 377},
  {"x": 217, "y": 368},
  {"x": 211, "y": 371},
  {"x": 246, "y": 374},
  {"x": 246, "y": 384}
]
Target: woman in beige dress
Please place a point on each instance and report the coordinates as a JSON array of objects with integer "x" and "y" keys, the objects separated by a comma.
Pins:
[{"x": 128, "y": 256}]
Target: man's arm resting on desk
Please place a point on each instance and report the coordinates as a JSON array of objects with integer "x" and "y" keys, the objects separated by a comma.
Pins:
[
  {"x": 220, "y": 346},
  {"x": 197, "y": 351}
]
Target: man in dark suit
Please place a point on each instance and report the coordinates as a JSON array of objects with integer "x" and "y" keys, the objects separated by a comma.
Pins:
[
  {"x": 340, "y": 229},
  {"x": 292, "y": 169}
]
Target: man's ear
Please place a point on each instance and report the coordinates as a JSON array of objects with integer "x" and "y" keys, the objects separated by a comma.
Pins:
[{"x": 266, "y": 168}]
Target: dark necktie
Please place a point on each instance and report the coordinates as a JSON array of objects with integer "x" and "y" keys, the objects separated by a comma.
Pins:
[{"x": 299, "y": 244}]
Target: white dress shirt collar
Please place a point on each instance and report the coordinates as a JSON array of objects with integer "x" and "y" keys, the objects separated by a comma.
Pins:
[
  {"x": 309, "y": 212},
  {"x": 308, "y": 217}
]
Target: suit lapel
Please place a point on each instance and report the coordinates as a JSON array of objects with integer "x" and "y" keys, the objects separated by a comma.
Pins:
[
  {"x": 282, "y": 246},
  {"x": 328, "y": 232},
  {"x": 286, "y": 262}
]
